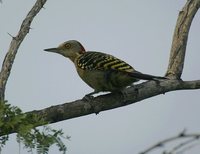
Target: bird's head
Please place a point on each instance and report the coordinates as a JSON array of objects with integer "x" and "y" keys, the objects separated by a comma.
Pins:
[{"x": 70, "y": 49}]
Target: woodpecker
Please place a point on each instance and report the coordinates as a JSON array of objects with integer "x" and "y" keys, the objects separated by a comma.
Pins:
[{"x": 101, "y": 71}]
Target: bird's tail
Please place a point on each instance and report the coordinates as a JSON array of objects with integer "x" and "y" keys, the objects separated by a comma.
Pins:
[{"x": 142, "y": 76}]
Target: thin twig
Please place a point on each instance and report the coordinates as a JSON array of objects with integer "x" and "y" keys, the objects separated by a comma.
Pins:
[
  {"x": 186, "y": 148},
  {"x": 14, "y": 45},
  {"x": 182, "y": 145},
  {"x": 171, "y": 139}
]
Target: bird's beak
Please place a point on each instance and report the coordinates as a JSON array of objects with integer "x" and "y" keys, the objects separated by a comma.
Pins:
[{"x": 52, "y": 50}]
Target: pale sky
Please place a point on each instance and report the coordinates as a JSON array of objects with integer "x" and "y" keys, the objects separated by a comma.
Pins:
[{"x": 139, "y": 32}]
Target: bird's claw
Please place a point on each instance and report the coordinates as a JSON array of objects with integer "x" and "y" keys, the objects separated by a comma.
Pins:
[{"x": 88, "y": 97}]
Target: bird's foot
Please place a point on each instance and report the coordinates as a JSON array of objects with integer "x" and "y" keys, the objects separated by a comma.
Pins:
[{"x": 88, "y": 97}]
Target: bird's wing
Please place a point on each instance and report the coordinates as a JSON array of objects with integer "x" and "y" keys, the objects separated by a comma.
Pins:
[{"x": 92, "y": 60}]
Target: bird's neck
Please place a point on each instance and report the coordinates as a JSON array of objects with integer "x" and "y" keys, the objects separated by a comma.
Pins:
[{"x": 75, "y": 56}]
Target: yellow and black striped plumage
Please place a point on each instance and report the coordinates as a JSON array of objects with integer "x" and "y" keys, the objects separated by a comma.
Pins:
[
  {"x": 101, "y": 71},
  {"x": 92, "y": 60}
]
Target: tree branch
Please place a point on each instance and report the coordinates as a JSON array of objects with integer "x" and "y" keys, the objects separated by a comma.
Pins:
[
  {"x": 179, "y": 43},
  {"x": 95, "y": 105},
  {"x": 14, "y": 45},
  {"x": 113, "y": 100},
  {"x": 182, "y": 135}
]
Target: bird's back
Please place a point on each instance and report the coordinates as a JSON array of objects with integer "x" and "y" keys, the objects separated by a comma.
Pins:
[{"x": 104, "y": 72}]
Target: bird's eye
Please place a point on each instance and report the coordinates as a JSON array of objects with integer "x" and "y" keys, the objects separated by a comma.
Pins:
[{"x": 68, "y": 45}]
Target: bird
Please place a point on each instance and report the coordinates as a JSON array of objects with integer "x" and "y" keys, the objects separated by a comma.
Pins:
[{"x": 101, "y": 71}]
